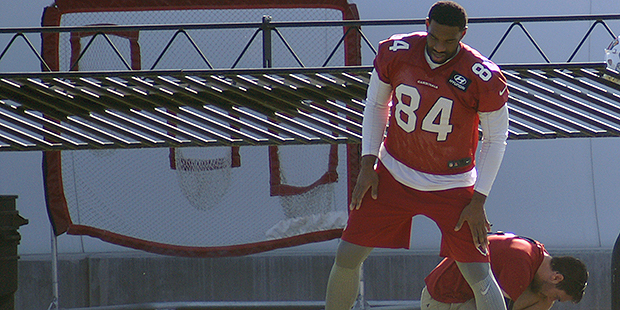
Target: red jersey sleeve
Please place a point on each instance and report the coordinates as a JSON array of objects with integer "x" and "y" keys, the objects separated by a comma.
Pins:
[
  {"x": 517, "y": 264},
  {"x": 391, "y": 50},
  {"x": 492, "y": 90}
]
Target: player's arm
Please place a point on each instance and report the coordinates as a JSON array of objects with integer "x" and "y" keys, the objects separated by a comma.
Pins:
[
  {"x": 375, "y": 120},
  {"x": 494, "y": 127},
  {"x": 495, "y": 133},
  {"x": 376, "y": 113}
]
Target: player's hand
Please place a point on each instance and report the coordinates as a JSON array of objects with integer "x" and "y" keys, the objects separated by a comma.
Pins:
[
  {"x": 367, "y": 179},
  {"x": 475, "y": 216}
]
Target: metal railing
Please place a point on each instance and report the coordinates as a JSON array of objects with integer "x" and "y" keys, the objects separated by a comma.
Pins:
[{"x": 266, "y": 27}]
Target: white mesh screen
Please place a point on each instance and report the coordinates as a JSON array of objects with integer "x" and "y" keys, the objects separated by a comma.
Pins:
[
  {"x": 307, "y": 203},
  {"x": 206, "y": 203}
]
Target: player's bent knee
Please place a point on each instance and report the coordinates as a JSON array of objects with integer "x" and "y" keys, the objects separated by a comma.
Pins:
[{"x": 350, "y": 255}]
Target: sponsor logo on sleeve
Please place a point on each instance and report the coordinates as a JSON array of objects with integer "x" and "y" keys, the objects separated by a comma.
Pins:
[{"x": 459, "y": 81}]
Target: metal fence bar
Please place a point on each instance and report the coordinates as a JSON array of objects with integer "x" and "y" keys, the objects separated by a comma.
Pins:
[
  {"x": 238, "y": 305},
  {"x": 267, "y": 25}
]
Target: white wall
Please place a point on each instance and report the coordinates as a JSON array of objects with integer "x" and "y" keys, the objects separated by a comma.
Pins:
[
  {"x": 557, "y": 40},
  {"x": 562, "y": 192}
]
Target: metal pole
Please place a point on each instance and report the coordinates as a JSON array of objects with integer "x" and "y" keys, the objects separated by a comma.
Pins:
[
  {"x": 615, "y": 276},
  {"x": 10, "y": 221},
  {"x": 266, "y": 28},
  {"x": 361, "y": 303},
  {"x": 54, "y": 303}
]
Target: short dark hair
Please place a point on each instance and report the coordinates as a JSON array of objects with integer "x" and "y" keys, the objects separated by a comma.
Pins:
[
  {"x": 448, "y": 13},
  {"x": 575, "y": 276}
]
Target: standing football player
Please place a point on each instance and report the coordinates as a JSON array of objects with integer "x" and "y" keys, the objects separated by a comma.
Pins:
[{"x": 434, "y": 91}]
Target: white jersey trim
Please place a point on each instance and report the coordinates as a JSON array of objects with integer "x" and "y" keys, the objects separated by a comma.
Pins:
[{"x": 424, "y": 181}]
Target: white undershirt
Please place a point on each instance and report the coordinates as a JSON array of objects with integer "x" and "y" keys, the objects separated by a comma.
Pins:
[{"x": 493, "y": 125}]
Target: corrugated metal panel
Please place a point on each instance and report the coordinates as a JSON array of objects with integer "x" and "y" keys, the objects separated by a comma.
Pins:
[
  {"x": 568, "y": 100},
  {"x": 125, "y": 109}
]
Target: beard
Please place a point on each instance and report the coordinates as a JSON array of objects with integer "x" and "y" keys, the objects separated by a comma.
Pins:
[
  {"x": 431, "y": 53},
  {"x": 445, "y": 57},
  {"x": 536, "y": 285}
]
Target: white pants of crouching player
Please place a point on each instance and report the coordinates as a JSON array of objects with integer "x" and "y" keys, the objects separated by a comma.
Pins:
[{"x": 428, "y": 303}]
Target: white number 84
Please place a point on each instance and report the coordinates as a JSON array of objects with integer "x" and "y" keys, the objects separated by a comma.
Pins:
[{"x": 406, "y": 117}]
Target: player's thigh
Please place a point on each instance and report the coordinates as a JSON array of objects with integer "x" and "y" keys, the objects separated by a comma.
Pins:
[
  {"x": 428, "y": 303},
  {"x": 468, "y": 305},
  {"x": 448, "y": 207},
  {"x": 384, "y": 222}
]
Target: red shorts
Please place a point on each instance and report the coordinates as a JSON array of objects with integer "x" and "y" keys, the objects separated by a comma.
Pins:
[{"x": 386, "y": 221}]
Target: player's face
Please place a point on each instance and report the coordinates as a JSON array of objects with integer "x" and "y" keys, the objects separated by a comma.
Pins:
[
  {"x": 555, "y": 294},
  {"x": 442, "y": 41},
  {"x": 547, "y": 289}
]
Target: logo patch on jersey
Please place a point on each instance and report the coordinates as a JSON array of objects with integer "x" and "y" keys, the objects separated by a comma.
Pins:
[
  {"x": 459, "y": 81},
  {"x": 459, "y": 163}
]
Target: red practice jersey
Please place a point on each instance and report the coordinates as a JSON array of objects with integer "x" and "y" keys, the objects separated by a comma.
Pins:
[
  {"x": 514, "y": 262},
  {"x": 435, "y": 111}
]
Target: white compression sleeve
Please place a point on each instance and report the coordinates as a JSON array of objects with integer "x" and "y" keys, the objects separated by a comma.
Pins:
[
  {"x": 495, "y": 132},
  {"x": 376, "y": 114},
  {"x": 487, "y": 292}
]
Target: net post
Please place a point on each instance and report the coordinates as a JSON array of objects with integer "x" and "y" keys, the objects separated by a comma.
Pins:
[
  {"x": 54, "y": 244},
  {"x": 615, "y": 276},
  {"x": 10, "y": 221},
  {"x": 360, "y": 302},
  {"x": 266, "y": 28}
]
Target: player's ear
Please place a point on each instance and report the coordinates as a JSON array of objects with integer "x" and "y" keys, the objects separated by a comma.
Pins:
[
  {"x": 464, "y": 32},
  {"x": 556, "y": 277},
  {"x": 428, "y": 22}
]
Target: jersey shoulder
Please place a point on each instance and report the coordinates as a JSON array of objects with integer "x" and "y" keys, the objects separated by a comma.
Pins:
[
  {"x": 488, "y": 80},
  {"x": 401, "y": 45},
  {"x": 411, "y": 37},
  {"x": 474, "y": 59},
  {"x": 514, "y": 243},
  {"x": 398, "y": 50}
]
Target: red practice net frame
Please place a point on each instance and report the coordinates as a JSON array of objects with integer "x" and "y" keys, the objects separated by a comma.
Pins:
[{"x": 193, "y": 201}]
